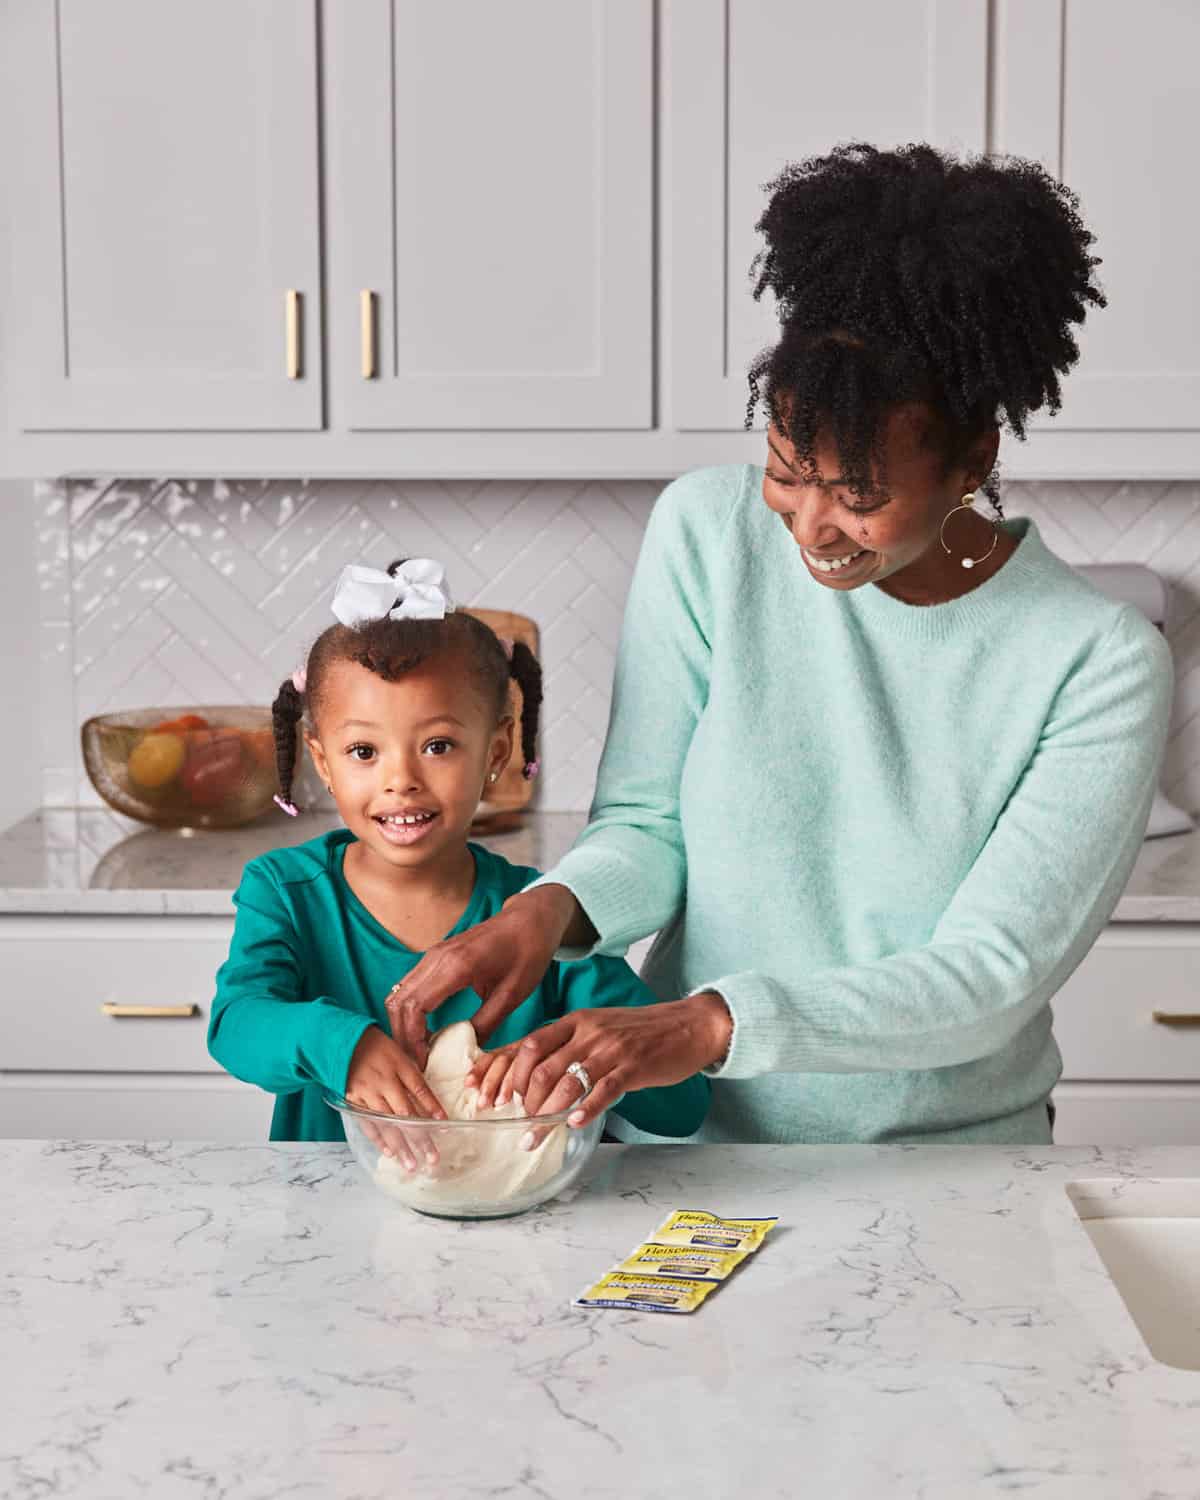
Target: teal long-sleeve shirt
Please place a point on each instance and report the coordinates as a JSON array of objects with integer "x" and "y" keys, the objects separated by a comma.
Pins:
[
  {"x": 885, "y": 833},
  {"x": 309, "y": 969}
]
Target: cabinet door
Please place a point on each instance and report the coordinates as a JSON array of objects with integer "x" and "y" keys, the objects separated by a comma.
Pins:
[
  {"x": 1127, "y": 1114},
  {"x": 97, "y": 1106},
  {"x": 168, "y": 201},
  {"x": 490, "y": 213},
  {"x": 753, "y": 84},
  {"x": 1105, "y": 96}
]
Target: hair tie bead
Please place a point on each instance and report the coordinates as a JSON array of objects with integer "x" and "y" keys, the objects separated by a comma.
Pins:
[{"x": 289, "y": 807}]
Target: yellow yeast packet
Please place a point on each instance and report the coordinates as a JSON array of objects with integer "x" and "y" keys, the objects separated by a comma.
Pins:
[
  {"x": 694, "y": 1261},
  {"x": 690, "y": 1226},
  {"x": 645, "y": 1293}
]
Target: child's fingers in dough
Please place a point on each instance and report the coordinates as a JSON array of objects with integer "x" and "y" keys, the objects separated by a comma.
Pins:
[
  {"x": 414, "y": 1147},
  {"x": 494, "y": 1076},
  {"x": 389, "y": 1138}
]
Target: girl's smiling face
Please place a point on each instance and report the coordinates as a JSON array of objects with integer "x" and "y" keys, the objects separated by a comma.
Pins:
[{"x": 422, "y": 746}]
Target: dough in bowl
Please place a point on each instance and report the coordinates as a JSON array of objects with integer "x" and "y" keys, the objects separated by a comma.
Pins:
[{"x": 475, "y": 1166}]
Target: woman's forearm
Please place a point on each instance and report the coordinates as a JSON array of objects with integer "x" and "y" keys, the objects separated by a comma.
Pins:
[{"x": 561, "y": 913}]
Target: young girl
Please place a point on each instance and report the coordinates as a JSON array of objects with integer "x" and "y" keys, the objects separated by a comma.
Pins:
[{"x": 404, "y": 708}]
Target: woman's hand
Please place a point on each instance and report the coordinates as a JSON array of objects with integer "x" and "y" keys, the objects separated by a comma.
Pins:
[
  {"x": 503, "y": 960},
  {"x": 383, "y": 1077},
  {"x": 622, "y": 1048}
]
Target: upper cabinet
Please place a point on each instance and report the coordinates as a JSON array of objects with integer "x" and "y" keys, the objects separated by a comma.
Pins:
[
  {"x": 754, "y": 84},
  {"x": 1105, "y": 96},
  {"x": 472, "y": 239},
  {"x": 166, "y": 245},
  {"x": 490, "y": 213}
]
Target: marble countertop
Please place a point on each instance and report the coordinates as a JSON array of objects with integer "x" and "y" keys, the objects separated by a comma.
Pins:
[
  {"x": 93, "y": 860},
  {"x": 254, "y": 1321},
  {"x": 85, "y": 859}
]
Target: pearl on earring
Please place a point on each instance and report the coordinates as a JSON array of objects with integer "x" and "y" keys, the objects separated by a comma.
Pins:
[{"x": 493, "y": 776}]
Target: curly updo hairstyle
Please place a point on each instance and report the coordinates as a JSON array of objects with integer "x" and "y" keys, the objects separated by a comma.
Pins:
[
  {"x": 391, "y": 648},
  {"x": 908, "y": 275}
]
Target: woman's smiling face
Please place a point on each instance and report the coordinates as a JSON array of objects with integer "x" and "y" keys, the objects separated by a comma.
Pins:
[
  {"x": 424, "y": 744},
  {"x": 896, "y": 537}
]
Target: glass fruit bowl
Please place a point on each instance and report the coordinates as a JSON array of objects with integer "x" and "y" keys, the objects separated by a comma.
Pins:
[
  {"x": 207, "y": 768},
  {"x": 483, "y": 1170}
]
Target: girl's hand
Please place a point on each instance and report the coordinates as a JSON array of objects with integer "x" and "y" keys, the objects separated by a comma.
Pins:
[
  {"x": 503, "y": 960},
  {"x": 622, "y": 1048},
  {"x": 383, "y": 1077}
]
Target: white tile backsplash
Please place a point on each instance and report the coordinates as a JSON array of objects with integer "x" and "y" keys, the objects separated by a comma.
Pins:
[{"x": 178, "y": 592}]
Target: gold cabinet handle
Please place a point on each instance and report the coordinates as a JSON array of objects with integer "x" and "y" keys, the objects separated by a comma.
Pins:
[
  {"x": 366, "y": 307},
  {"x": 293, "y": 334},
  {"x": 1176, "y": 1017},
  {"x": 111, "y": 1009}
]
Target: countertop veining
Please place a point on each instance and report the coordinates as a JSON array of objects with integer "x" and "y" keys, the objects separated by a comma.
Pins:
[
  {"x": 253, "y": 1321},
  {"x": 90, "y": 860}
]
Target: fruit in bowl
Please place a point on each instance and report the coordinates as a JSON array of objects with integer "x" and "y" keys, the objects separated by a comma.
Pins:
[{"x": 210, "y": 768}]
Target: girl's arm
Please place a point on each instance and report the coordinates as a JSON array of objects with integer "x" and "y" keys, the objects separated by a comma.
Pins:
[{"x": 261, "y": 1029}]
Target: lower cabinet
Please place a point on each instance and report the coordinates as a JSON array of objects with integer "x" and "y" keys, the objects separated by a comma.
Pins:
[
  {"x": 1128, "y": 1025},
  {"x": 1127, "y": 1114},
  {"x": 103, "y": 1027},
  {"x": 103, "y": 1024},
  {"x": 132, "y": 1106}
]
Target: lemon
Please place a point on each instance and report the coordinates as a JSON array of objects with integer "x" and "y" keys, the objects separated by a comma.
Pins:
[{"x": 156, "y": 759}]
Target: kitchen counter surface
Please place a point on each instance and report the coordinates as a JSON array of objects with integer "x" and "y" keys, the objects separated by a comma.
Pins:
[
  {"x": 86, "y": 860},
  {"x": 83, "y": 859},
  {"x": 254, "y": 1321}
]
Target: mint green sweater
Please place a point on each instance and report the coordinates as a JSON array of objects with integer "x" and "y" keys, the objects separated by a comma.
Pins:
[{"x": 885, "y": 834}]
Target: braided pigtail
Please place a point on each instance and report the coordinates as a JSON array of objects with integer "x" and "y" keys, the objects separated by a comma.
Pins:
[
  {"x": 286, "y": 712},
  {"x": 527, "y": 671}
]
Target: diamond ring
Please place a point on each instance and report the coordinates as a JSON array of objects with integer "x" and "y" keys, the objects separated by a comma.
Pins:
[{"x": 577, "y": 1070}]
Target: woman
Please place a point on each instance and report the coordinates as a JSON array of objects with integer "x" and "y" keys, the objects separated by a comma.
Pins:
[{"x": 877, "y": 767}]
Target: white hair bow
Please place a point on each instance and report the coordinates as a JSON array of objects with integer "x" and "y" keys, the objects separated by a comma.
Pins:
[{"x": 416, "y": 591}]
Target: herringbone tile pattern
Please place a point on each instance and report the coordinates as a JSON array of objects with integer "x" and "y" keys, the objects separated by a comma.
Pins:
[{"x": 182, "y": 592}]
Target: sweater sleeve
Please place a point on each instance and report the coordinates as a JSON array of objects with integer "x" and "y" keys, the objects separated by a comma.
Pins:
[
  {"x": 261, "y": 1028},
  {"x": 675, "y": 1109},
  {"x": 1033, "y": 903},
  {"x": 627, "y": 869}
]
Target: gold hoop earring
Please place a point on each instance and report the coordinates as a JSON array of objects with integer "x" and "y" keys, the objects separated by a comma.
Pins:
[{"x": 966, "y": 503}]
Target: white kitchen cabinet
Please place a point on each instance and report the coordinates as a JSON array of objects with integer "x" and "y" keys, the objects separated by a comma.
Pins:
[
  {"x": 487, "y": 199},
  {"x": 69, "y": 1069},
  {"x": 1127, "y": 1077},
  {"x": 490, "y": 225},
  {"x": 1105, "y": 96},
  {"x": 750, "y": 85},
  {"x": 166, "y": 245}
]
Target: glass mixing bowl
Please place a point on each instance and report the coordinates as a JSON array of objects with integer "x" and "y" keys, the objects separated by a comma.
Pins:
[{"x": 482, "y": 1170}]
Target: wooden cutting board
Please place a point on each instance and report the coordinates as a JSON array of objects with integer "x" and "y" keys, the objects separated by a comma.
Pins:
[{"x": 504, "y": 807}]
